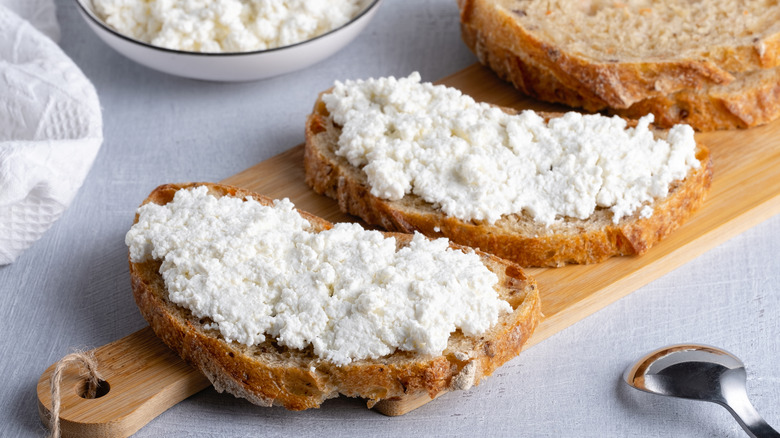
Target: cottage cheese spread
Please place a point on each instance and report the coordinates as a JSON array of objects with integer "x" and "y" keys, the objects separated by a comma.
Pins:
[
  {"x": 475, "y": 162},
  {"x": 225, "y": 25},
  {"x": 258, "y": 271}
]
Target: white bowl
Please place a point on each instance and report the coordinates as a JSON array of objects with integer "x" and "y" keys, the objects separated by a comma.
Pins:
[{"x": 243, "y": 66}]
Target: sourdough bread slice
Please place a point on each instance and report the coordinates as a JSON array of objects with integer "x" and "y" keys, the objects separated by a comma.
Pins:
[
  {"x": 751, "y": 99},
  {"x": 515, "y": 237},
  {"x": 268, "y": 374},
  {"x": 669, "y": 58}
]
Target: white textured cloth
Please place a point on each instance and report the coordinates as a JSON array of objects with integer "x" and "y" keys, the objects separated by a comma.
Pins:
[
  {"x": 50, "y": 125},
  {"x": 40, "y": 13}
]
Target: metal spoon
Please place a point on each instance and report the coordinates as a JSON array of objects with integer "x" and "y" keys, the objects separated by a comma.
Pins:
[{"x": 700, "y": 372}]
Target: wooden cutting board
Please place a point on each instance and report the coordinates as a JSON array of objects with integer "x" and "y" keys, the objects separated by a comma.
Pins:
[{"x": 146, "y": 378}]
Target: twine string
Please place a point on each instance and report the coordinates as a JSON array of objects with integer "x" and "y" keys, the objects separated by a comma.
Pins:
[{"x": 93, "y": 377}]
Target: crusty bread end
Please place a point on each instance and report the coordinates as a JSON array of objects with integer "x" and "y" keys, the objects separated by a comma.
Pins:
[
  {"x": 718, "y": 87},
  {"x": 751, "y": 99}
]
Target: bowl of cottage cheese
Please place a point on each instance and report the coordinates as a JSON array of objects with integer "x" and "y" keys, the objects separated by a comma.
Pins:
[{"x": 227, "y": 40}]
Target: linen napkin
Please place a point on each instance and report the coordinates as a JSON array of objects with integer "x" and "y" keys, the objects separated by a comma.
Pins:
[{"x": 50, "y": 125}]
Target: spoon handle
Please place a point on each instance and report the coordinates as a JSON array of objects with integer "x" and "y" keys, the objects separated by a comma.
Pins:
[{"x": 747, "y": 416}]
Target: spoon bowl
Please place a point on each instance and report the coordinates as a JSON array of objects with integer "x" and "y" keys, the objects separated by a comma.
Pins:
[{"x": 700, "y": 372}]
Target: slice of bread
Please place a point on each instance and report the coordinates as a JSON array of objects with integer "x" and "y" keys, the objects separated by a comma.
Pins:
[
  {"x": 268, "y": 374},
  {"x": 583, "y": 55},
  {"x": 752, "y": 99},
  {"x": 515, "y": 237}
]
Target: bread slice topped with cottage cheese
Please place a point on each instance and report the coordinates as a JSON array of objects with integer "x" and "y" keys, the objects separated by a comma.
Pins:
[
  {"x": 281, "y": 307},
  {"x": 540, "y": 190}
]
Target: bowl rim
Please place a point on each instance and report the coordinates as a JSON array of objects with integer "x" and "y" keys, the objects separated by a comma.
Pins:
[{"x": 92, "y": 16}]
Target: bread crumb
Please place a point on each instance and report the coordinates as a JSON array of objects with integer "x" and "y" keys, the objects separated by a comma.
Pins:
[
  {"x": 465, "y": 379},
  {"x": 461, "y": 356}
]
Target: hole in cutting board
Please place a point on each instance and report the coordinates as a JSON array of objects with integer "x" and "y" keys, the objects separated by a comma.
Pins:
[{"x": 102, "y": 389}]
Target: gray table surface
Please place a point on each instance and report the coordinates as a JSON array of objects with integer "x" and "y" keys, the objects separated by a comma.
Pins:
[{"x": 71, "y": 289}]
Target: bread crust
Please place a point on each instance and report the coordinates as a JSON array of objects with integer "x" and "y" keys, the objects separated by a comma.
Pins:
[
  {"x": 693, "y": 91},
  {"x": 617, "y": 83},
  {"x": 268, "y": 374},
  {"x": 720, "y": 107},
  {"x": 706, "y": 109},
  {"x": 513, "y": 237}
]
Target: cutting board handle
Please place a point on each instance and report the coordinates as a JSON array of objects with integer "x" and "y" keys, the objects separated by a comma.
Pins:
[{"x": 144, "y": 379}]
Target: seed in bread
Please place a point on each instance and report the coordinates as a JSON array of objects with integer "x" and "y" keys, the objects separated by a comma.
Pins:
[
  {"x": 267, "y": 371},
  {"x": 569, "y": 189}
]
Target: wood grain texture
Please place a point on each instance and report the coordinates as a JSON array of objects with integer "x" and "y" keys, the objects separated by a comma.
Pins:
[{"x": 146, "y": 378}]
